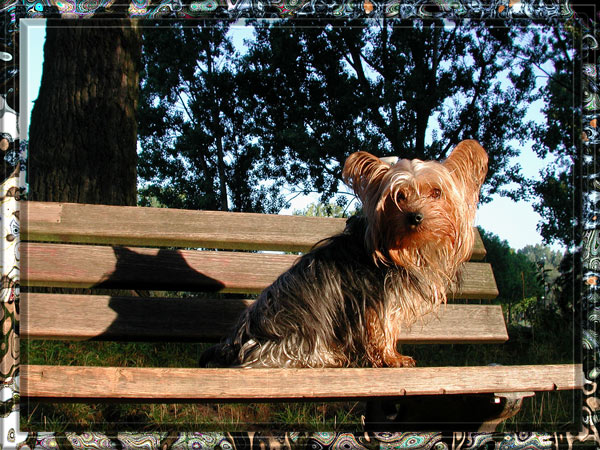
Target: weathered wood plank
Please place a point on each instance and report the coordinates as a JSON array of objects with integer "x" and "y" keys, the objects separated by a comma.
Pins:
[
  {"x": 188, "y": 319},
  {"x": 86, "y": 266},
  {"x": 124, "y": 225},
  {"x": 170, "y": 384}
]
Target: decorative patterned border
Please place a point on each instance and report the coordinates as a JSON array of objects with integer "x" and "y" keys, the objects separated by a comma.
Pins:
[{"x": 13, "y": 10}]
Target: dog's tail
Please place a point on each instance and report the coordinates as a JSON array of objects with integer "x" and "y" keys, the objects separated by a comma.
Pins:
[{"x": 218, "y": 355}]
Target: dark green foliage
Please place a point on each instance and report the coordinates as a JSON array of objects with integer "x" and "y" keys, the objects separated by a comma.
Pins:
[
  {"x": 516, "y": 276},
  {"x": 565, "y": 289},
  {"x": 541, "y": 253},
  {"x": 558, "y": 193},
  {"x": 556, "y": 204},
  {"x": 549, "y": 264},
  {"x": 222, "y": 128},
  {"x": 340, "y": 88},
  {"x": 196, "y": 151}
]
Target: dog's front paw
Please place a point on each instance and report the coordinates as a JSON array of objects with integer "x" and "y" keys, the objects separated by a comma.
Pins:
[
  {"x": 401, "y": 361},
  {"x": 407, "y": 361}
]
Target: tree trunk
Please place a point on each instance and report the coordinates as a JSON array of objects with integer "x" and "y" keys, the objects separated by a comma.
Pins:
[{"x": 83, "y": 133}]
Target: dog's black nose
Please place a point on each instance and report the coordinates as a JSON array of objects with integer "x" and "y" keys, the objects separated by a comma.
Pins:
[{"x": 415, "y": 218}]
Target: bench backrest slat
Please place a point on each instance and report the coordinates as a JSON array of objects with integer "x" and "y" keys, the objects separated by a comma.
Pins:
[
  {"x": 86, "y": 266},
  {"x": 104, "y": 317},
  {"x": 162, "y": 227}
]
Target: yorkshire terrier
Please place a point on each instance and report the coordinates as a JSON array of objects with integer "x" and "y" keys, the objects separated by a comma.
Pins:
[{"x": 344, "y": 303}]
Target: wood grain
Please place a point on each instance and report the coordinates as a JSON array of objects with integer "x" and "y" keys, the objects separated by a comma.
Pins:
[
  {"x": 72, "y": 383},
  {"x": 102, "y": 317},
  {"x": 86, "y": 266},
  {"x": 162, "y": 227}
]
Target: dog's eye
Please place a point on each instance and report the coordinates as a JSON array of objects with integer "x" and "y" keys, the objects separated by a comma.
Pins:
[
  {"x": 435, "y": 193},
  {"x": 400, "y": 197}
]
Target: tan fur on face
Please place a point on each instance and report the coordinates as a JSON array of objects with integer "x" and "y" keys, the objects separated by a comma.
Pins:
[{"x": 445, "y": 193}]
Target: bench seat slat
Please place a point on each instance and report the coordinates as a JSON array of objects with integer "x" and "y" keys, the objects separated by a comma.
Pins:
[
  {"x": 188, "y": 319},
  {"x": 72, "y": 383},
  {"x": 86, "y": 266},
  {"x": 162, "y": 227}
]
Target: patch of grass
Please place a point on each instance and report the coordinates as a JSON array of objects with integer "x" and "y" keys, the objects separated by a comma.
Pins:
[
  {"x": 333, "y": 416},
  {"x": 59, "y": 417},
  {"x": 125, "y": 354}
]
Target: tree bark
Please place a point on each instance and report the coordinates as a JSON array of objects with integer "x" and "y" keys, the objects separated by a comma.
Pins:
[{"x": 83, "y": 133}]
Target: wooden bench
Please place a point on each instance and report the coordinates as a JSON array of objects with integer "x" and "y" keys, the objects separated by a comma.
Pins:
[{"x": 115, "y": 247}]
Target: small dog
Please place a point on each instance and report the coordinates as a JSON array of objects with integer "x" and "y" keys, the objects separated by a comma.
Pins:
[{"x": 344, "y": 303}]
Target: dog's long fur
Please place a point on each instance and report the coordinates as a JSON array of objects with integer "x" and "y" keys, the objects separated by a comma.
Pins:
[{"x": 344, "y": 303}]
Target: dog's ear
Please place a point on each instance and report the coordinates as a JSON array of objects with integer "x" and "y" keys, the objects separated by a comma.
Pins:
[
  {"x": 363, "y": 173},
  {"x": 468, "y": 164}
]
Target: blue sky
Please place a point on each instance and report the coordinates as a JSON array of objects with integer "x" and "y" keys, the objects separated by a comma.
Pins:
[{"x": 512, "y": 221}]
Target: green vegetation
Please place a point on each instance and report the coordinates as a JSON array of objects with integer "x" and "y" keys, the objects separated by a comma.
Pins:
[{"x": 229, "y": 126}]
